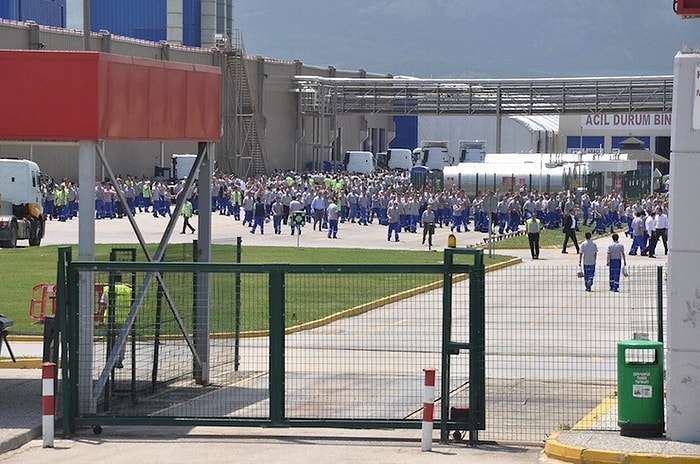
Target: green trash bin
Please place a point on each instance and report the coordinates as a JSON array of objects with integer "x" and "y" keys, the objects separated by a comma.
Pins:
[{"x": 640, "y": 385}]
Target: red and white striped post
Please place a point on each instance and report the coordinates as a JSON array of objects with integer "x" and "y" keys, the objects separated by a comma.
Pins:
[
  {"x": 426, "y": 443},
  {"x": 47, "y": 402}
]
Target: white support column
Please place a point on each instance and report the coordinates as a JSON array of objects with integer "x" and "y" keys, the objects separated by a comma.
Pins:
[
  {"x": 683, "y": 366},
  {"x": 208, "y": 22},
  {"x": 87, "y": 156},
  {"x": 174, "y": 22},
  {"x": 87, "y": 162}
]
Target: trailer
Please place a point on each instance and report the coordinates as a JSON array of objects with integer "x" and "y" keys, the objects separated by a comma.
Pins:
[{"x": 504, "y": 177}]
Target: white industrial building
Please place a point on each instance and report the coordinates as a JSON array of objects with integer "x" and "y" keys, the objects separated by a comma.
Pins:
[{"x": 267, "y": 128}]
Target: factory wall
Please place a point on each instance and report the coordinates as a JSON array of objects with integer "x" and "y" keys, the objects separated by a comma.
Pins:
[{"x": 46, "y": 12}]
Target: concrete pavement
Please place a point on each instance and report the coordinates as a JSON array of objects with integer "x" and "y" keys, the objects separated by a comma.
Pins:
[{"x": 20, "y": 389}]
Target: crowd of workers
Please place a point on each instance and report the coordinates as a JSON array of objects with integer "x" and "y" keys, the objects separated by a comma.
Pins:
[{"x": 288, "y": 199}]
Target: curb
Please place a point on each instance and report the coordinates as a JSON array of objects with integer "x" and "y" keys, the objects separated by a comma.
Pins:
[
  {"x": 553, "y": 449},
  {"x": 20, "y": 440},
  {"x": 22, "y": 363}
]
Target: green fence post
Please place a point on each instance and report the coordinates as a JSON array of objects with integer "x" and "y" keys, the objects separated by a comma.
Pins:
[
  {"x": 446, "y": 346},
  {"x": 69, "y": 345},
  {"x": 277, "y": 377},
  {"x": 237, "y": 310},
  {"x": 62, "y": 285},
  {"x": 660, "y": 303},
  {"x": 477, "y": 350}
]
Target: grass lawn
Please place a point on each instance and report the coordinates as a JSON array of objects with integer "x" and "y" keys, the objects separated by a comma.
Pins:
[{"x": 26, "y": 267}]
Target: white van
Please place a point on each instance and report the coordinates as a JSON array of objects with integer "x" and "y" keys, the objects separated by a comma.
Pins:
[
  {"x": 399, "y": 158},
  {"x": 359, "y": 161}
]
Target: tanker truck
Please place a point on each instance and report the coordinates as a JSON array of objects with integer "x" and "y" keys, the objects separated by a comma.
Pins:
[{"x": 21, "y": 217}]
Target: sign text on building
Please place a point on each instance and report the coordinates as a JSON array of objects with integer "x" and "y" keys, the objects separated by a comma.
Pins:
[{"x": 626, "y": 120}]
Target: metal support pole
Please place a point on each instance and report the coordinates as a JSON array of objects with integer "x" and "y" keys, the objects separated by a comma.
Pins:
[
  {"x": 201, "y": 328},
  {"x": 86, "y": 25}
]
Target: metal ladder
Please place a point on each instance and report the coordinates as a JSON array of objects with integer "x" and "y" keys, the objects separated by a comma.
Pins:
[{"x": 243, "y": 148}]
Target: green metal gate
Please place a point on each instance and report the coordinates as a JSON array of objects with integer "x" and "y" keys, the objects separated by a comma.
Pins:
[
  {"x": 468, "y": 337},
  {"x": 277, "y": 345}
]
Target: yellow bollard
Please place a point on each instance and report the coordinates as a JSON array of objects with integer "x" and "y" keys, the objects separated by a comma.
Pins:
[{"x": 452, "y": 241}]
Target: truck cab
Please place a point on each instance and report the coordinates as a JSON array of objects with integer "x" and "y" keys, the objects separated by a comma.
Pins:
[
  {"x": 399, "y": 158},
  {"x": 434, "y": 155},
  {"x": 359, "y": 162},
  {"x": 21, "y": 214},
  {"x": 472, "y": 151}
]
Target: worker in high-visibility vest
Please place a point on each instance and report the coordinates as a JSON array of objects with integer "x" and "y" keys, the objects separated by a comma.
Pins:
[
  {"x": 146, "y": 195},
  {"x": 117, "y": 308},
  {"x": 61, "y": 202},
  {"x": 186, "y": 215}
]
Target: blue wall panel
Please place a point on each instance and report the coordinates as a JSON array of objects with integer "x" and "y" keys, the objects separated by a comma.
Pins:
[
  {"x": 192, "y": 23},
  {"x": 9, "y": 9},
  {"x": 141, "y": 19},
  {"x": 617, "y": 139},
  {"x": 587, "y": 141},
  {"x": 46, "y": 12},
  {"x": 406, "y": 132}
]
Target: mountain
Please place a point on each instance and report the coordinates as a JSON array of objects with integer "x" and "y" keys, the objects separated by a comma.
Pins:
[{"x": 471, "y": 38}]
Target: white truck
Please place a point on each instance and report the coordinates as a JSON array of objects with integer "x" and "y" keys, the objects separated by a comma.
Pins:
[
  {"x": 359, "y": 161},
  {"x": 433, "y": 154},
  {"x": 21, "y": 216}
]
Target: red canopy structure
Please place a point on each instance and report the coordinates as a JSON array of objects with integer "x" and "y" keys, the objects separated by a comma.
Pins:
[
  {"x": 88, "y": 97},
  {"x": 70, "y": 95}
]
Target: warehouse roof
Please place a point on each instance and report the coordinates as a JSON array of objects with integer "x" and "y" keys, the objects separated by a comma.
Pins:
[{"x": 547, "y": 123}]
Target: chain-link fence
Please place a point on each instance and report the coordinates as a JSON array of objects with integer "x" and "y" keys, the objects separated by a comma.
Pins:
[{"x": 551, "y": 346}]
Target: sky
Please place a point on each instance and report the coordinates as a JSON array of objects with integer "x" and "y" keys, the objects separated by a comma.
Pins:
[
  {"x": 466, "y": 38},
  {"x": 471, "y": 38}
]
